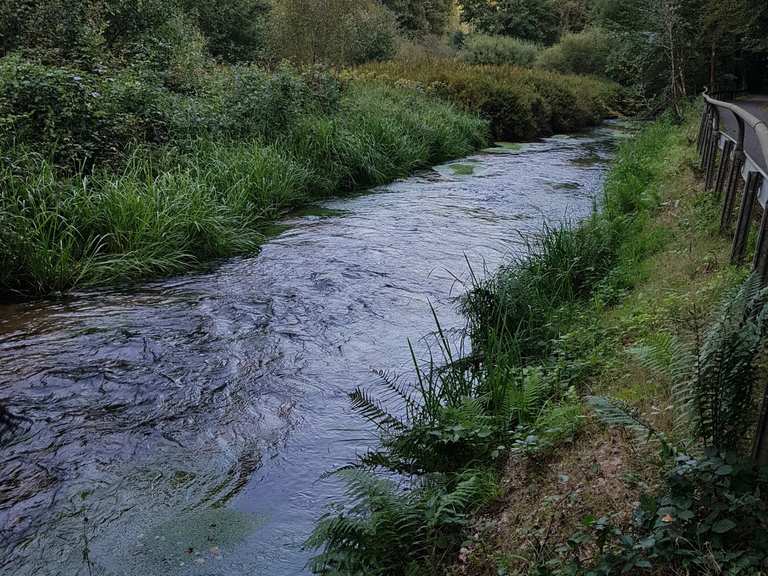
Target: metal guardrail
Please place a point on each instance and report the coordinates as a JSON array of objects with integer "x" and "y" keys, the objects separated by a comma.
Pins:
[{"x": 733, "y": 169}]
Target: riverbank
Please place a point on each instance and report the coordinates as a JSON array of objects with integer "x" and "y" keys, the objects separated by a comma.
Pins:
[
  {"x": 511, "y": 471},
  {"x": 115, "y": 176},
  {"x": 239, "y": 376}
]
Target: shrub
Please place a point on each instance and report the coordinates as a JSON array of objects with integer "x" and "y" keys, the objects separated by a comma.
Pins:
[
  {"x": 167, "y": 208},
  {"x": 77, "y": 118},
  {"x": 520, "y": 104},
  {"x": 585, "y": 52},
  {"x": 236, "y": 30},
  {"x": 372, "y": 34},
  {"x": 482, "y": 49},
  {"x": 333, "y": 32},
  {"x": 267, "y": 104}
]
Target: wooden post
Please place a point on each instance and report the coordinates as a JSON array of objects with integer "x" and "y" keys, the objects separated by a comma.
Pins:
[
  {"x": 702, "y": 128},
  {"x": 745, "y": 215},
  {"x": 712, "y": 160},
  {"x": 706, "y": 139},
  {"x": 714, "y": 145}
]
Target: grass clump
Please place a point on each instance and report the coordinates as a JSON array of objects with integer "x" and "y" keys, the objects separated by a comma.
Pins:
[
  {"x": 163, "y": 208},
  {"x": 519, "y": 390},
  {"x": 521, "y": 104}
]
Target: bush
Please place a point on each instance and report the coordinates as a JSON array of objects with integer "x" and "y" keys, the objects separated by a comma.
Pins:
[
  {"x": 168, "y": 208},
  {"x": 78, "y": 119},
  {"x": 585, "y": 52},
  {"x": 520, "y": 104},
  {"x": 268, "y": 104},
  {"x": 482, "y": 49},
  {"x": 372, "y": 34},
  {"x": 336, "y": 32},
  {"x": 236, "y": 30}
]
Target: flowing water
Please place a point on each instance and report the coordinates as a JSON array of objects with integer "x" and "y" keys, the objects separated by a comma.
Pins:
[{"x": 182, "y": 427}]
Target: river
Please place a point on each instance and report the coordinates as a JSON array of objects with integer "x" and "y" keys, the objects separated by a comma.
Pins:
[{"x": 181, "y": 427}]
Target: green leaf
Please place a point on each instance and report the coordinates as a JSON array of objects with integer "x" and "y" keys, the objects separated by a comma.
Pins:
[
  {"x": 723, "y": 526},
  {"x": 724, "y": 470}
]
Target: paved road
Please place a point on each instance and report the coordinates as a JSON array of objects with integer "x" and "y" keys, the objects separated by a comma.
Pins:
[{"x": 757, "y": 106}]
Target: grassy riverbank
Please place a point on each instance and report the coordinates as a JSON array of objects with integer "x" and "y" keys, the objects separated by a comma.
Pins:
[
  {"x": 217, "y": 177},
  {"x": 515, "y": 427},
  {"x": 115, "y": 176},
  {"x": 520, "y": 103}
]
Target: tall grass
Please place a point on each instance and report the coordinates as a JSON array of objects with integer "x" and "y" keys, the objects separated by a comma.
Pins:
[
  {"x": 520, "y": 103},
  {"x": 517, "y": 391},
  {"x": 165, "y": 210}
]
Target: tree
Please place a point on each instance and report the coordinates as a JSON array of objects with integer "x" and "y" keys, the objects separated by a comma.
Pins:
[
  {"x": 235, "y": 30},
  {"x": 422, "y": 16},
  {"x": 534, "y": 20},
  {"x": 331, "y": 31}
]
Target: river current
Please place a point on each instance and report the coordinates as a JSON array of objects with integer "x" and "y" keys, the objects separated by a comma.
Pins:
[{"x": 181, "y": 427}]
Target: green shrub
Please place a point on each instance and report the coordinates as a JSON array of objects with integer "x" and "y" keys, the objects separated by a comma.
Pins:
[
  {"x": 165, "y": 209},
  {"x": 335, "y": 32},
  {"x": 78, "y": 119},
  {"x": 268, "y": 104},
  {"x": 235, "y": 31},
  {"x": 585, "y": 52},
  {"x": 482, "y": 49},
  {"x": 372, "y": 34},
  {"x": 520, "y": 104}
]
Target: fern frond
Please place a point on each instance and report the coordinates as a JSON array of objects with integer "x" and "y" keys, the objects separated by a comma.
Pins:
[
  {"x": 617, "y": 414},
  {"x": 372, "y": 410}
]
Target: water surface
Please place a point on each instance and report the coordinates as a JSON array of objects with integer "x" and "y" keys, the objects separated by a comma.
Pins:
[{"x": 181, "y": 427}]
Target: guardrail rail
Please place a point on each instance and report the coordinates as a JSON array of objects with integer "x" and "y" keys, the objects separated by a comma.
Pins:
[
  {"x": 735, "y": 171},
  {"x": 733, "y": 153}
]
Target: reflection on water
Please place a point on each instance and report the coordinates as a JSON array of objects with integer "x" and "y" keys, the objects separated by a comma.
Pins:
[{"x": 182, "y": 427}]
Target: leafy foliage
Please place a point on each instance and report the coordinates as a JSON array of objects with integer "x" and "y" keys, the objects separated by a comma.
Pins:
[
  {"x": 483, "y": 49},
  {"x": 352, "y": 31},
  {"x": 384, "y": 530},
  {"x": 520, "y": 104},
  {"x": 533, "y": 20},
  {"x": 422, "y": 16},
  {"x": 710, "y": 517},
  {"x": 585, "y": 52},
  {"x": 79, "y": 118}
]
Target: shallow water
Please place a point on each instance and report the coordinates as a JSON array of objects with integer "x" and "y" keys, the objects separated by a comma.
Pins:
[{"x": 182, "y": 427}]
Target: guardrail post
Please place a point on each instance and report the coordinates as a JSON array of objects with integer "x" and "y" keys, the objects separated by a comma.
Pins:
[
  {"x": 702, "y": 128},
  {"x": 760, "y": 450},
  {"x": 714, "y": 146},
  {"x": 761, "y": 249},
  {"x": 706, "y": 137},
  {"x": 745, "y": 215},
  {"x": 726, "y": 160}
]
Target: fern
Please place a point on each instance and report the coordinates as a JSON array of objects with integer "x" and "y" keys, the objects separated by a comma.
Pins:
[
  {"x": 713, "y": 379},
  {"x": 618, "y": 414},
  {"x": 726, "y": 373},
  {"x": 667, "y": 356},
  {"x": 387, "y": 531}
]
